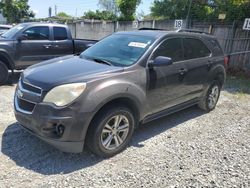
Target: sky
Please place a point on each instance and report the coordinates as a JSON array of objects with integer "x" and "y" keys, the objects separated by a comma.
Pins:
[{"x": 74, "y": 7}]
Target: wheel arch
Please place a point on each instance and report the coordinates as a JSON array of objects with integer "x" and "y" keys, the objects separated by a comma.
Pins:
[
  {"x": 122, "y": 101},
  {"x": 4, "y": 57},
  {"x": 218, "y": 73}
]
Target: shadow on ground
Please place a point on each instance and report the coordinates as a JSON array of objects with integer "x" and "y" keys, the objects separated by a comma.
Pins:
[{"x": 29, "y": 152}]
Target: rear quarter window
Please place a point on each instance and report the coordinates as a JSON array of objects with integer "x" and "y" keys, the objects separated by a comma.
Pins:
[
  {"x": 216, "y": 47},
  {"x": 60, "y": 33},
  {"x": 195, "y": 48}
]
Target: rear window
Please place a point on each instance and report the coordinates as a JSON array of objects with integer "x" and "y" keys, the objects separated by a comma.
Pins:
[
  {"x": 194, "y": 48},
  {"x": 60, "y": 33}
]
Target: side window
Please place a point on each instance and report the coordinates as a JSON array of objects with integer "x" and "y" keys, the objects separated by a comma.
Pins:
[
  {"x": 37, "y": 33},
  {"x": 170, "y": 48},
  {"x": 60, "y": 33},
  {"x": 194, "y": 48}
]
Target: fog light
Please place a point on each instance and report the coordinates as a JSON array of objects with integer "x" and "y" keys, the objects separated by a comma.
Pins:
[{"x": 60, "y": 130}]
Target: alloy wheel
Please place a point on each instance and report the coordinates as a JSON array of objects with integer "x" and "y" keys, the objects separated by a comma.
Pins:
[{"x": 115, "y": 132}]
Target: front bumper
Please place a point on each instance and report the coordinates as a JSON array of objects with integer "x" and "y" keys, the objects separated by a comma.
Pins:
[{"x": 44, "y": 119}]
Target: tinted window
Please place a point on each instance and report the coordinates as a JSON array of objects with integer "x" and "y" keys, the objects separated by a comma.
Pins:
[
  {"x": 170, "y": 48},
  {"x": 60, "y": 33},
  {"x": 37, "y": 33},
  {"x": 194, "y": 48}
]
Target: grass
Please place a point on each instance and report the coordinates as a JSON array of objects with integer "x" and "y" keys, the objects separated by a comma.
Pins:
[{"x": 238, "y": 85}]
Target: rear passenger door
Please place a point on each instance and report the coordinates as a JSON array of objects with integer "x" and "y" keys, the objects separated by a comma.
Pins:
[
  {"x": 197, "y": 61},
  {"x": 62, "y": 43}
]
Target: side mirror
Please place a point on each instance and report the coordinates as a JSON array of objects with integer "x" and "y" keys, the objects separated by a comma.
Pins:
[
  {"x": 160, "y": 61},
  {"x": 22, "y": 37}
]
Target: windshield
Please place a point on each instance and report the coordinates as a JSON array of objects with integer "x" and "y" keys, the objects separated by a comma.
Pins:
[
  {"x": 12, "y": 32},
  {"x": 119, "y": 49}
]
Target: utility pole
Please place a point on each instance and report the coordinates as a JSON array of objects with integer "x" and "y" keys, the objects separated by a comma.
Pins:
[
  {"x": 55, "y": 10},
  {"x": 76, "y": 12},
  {"x": 187, "y": 18},
  {"x": 50, "y": 12}
]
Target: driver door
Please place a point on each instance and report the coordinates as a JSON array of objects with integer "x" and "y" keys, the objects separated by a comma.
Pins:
[
  {"x": 165, "y": 83},
  {"x": 34, "y": 47}
]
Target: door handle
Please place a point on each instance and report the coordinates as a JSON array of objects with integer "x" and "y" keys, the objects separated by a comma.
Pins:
[
  {"x": 47, "y": 46},
  {"x": 183, "y": 71},
  {"x": 209, "y": 64}
]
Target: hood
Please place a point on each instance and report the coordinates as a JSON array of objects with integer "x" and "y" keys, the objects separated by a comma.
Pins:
[
  {"x": 64, "y": 70},
  {"x": 4, "y": 39}
]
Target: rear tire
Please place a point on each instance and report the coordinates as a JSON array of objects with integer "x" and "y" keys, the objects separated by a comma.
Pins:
[
  {"x": 209, "y": 100},
  {"x": 4, "y": 73},
  {"x": 110, "y": 131}
]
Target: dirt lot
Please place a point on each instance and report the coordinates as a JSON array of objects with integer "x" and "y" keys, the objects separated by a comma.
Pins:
[{"x": 189, "y": 148}]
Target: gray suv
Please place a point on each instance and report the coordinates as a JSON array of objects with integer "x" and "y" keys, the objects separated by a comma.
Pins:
[{"x": 99, "y": 97}]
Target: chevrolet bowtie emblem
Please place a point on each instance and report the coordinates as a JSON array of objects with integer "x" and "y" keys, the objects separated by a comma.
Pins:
[{"x": 19, "y": 93}]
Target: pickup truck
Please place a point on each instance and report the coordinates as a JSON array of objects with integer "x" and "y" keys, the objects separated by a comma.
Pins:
[{"x": 30, "y": 43}]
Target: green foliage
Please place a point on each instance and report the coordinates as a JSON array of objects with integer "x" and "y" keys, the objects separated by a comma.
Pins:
[
  {"x": 127, "y": 8},
  {"x": 109, "y": 5},
  {"x": 15, "y": 10},
  {"x": 201, "y": 9},
  {"x": 99, "y": 15},
  {"x": 63, "y": 15},
  {"x": 234, "y": 9}
]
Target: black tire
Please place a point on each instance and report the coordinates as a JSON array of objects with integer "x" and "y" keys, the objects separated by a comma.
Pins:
[
  {"x": 94, "y": 138},
  {"x": 205, "y": 102},
  {"x": 4, "y": 73}
]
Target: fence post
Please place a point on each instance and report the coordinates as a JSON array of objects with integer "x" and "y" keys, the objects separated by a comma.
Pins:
[
  {"x": 75, "y": 29},
  {"x": 232, "y": 36}
]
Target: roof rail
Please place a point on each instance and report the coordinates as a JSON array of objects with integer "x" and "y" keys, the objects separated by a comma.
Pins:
[
  {"x": 147, "y": 28},
  {"x": 193, "y": 31}
]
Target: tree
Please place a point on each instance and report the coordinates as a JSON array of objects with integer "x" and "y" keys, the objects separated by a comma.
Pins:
[
  {"x": 172, "y": 9},
  {"x": 127, "y": 8},
  {"x": 63, "y": 15},
  {"x": 109, "y": 5},
  {"x": 100, "y": 15},
  {"x": 201, "y": 9},
  {"x": 15, "y": 10},
  {"x": 234, "y": 9}
]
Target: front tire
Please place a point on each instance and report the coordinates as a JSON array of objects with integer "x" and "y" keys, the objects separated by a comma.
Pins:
[
  {"x": 209, "y": 100},
  {"x": 111, "y": 131},
  {"x": 4, "y": 74}
]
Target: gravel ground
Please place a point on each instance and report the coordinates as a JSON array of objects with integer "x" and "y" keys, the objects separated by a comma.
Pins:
[{"x": 187, "y": 149}]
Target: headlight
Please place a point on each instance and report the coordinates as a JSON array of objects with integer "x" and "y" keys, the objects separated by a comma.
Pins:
[{"x": 64, "y": 94}]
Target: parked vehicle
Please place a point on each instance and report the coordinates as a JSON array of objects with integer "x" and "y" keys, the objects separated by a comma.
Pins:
[
  {"x": 4, "y": 28},
  {"x": 125, "y": 79},
  {"x": 30, "y": 43}
]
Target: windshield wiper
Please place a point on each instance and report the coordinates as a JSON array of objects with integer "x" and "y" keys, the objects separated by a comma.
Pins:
[{"x": 103, "y": 61}]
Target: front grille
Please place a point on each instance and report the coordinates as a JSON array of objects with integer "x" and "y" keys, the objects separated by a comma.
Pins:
[
  {"x": 31, "y": 88},
  {"x": 25, "y": 105}
]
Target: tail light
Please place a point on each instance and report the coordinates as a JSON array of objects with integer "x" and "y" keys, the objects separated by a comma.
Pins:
[{"x": 226, "y": 61}]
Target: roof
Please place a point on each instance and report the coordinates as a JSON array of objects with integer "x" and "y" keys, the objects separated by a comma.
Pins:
[
  {"x": 42, "y": 23},
  {"x": 162, "y": 33},
  {"x": 149, "y": 33}
]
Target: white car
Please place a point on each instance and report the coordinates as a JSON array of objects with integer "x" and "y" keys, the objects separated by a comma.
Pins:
[{"x": 4, "y": 28}]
